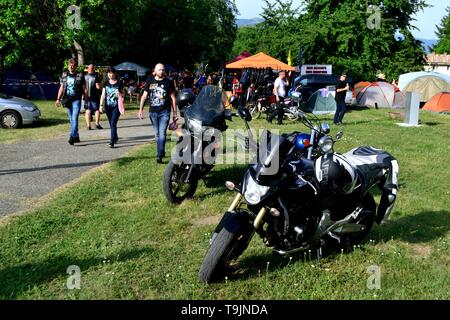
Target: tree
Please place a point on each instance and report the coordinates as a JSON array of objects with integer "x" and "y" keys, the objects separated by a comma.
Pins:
[
  {"x": 42, "y": 34},
  {"x": 350, "y": 35},
  {"x": 362, "y": 39},
  {"x": 443, "y": 33}
]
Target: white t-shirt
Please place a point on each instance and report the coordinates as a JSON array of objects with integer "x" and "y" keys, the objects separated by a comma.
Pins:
[{"x": 281, "y": 85}]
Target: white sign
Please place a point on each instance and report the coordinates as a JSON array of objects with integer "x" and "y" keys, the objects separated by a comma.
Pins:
[{"x": 316, "y": 69}]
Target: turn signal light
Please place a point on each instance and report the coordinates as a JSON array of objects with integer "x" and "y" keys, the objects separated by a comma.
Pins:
[{"x": 230, "y": 185}]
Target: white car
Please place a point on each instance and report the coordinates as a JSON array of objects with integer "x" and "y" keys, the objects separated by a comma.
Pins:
[{"x": 15, "y": 112}]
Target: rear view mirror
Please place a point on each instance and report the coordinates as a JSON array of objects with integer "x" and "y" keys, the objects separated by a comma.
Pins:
[
  {"x": 234, "y": 101},
  {"x": 325, "y": 128},
  {"x": 244, "y": 113}
]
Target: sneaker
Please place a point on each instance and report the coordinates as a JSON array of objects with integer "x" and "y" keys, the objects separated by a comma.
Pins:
[
  {"x": 99, "y": 127},
  {"x": 76, "y": 139},
  {"x": 71, "y": 141},
  {"x": 89, "y": 128},
  {"x": 159, "y": 160},
  {"x": 111, "y": 145}
]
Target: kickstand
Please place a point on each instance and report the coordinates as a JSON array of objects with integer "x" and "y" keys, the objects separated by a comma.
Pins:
[{"x": 319, "y": 256}]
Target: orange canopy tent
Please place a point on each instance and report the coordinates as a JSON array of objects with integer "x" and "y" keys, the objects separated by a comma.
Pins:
[
  {"x": 260, "y": 60},
  {"x": 439, "y": 103}
]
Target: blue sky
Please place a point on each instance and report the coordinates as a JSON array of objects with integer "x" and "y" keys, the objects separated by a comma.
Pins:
[{"x": 426, "y": 19}]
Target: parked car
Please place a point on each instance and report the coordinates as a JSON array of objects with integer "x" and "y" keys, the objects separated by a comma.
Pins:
[
  {"x": 307, "y": 84},
  {"x": 15, "y": 112}
]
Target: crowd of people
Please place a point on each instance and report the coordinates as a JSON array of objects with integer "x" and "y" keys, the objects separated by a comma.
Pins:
[{"x": 160, "y": 91}]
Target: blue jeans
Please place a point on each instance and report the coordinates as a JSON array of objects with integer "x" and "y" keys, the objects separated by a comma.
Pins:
[
  {"x": 73, "y": 112},
  {"x": 160, "y": 122},
  {"x": 113, "y": 115},
  {"x": 341, "y": 108}
]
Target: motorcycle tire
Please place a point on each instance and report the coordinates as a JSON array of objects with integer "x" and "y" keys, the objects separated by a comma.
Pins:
[
  {"x": 173, "y": 183},
  {"x": 253, "y": 108},
  {"x": 217, "y": 258}
]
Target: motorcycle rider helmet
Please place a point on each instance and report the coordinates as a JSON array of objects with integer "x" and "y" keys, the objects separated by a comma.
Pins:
[
  {"x": 302, "y": 141},
  {"x": 335, "y": 174},
  {"x": 185, "y": 97}
]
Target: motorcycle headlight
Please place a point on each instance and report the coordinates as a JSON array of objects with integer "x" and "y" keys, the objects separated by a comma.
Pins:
[
  {"x": 195, "y": 125},
  {"x": 254, "y": 192},
  {"x": 326, "y": 144}
]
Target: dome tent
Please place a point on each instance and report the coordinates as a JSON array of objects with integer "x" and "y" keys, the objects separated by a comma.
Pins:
[
  {"x": 320, "y": 102},
  {"x": 380, "y": 94},
  {"x": 439, "y": 103},
  {"x": 427, "y": 84}
]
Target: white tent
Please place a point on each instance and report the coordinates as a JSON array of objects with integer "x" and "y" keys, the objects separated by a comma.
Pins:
[
  {"x": 406, "y": 78},
  {"x": 130, "y": 66}
]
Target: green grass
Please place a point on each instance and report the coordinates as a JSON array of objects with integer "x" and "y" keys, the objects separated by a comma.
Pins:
[
  {"x": 53, "y": 121},
  {"x": 129, "y": 243}
]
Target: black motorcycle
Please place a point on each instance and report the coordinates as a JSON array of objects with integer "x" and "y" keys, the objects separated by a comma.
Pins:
[
  {"x": 285, "y": 206},
  {"x": 198, "y": 142}
]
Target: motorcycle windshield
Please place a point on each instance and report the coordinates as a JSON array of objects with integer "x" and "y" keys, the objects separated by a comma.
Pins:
[
  {"x": 266, "y": 171},
  {"x": 209, "y": 106}
]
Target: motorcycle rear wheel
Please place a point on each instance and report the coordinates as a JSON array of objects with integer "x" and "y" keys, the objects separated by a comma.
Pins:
[
  {"x": 175, "y": 189},
  {"x": 253, "y": 108}
]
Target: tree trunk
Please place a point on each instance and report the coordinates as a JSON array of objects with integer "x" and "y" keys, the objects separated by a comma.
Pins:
[{"x": 80, "y": 53}]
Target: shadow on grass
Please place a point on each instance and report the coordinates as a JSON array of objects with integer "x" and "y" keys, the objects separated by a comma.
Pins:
[
  {"x": 421, "y": 228},
  {"x": 215, "y": 180},
  {"x": 42, "y": 123},
  {"x": 127, "y": 160},
  {"x": 19, "y": 278}
]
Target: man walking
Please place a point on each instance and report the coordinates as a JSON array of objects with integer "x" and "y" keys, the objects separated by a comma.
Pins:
[
  {"x": 280, "y": 93},
  {"x": 161, "y": 94},
  {"x": 93, "y": 97},
  {"x": 72, "y": 88},
  {"x": 341, "y": 91}
]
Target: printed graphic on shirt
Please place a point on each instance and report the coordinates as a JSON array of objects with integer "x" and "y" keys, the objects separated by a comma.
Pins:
[
  {"x": 112, "y": 96},
  {"x": 157, "y": 95},
  {"x": 71, "y": 91}
]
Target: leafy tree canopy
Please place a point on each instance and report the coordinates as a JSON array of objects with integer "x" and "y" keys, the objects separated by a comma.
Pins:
[
  {"x": 352, "y": 35},
  {"x": 42, "y": 34},
  {"x": 443, "y": 33}
]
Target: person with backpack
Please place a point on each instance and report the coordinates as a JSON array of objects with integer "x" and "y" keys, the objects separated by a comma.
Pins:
[{"x": 72, "y": 88}]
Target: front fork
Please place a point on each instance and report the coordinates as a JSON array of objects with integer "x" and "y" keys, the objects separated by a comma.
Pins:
[{"x": 259, "y": 220}]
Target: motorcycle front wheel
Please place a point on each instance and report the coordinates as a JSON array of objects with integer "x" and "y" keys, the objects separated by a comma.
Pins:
[
  {"x": 217, "y": 258},
  {"x": 175, "y": 188}
]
